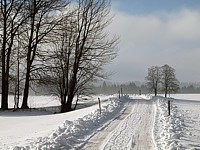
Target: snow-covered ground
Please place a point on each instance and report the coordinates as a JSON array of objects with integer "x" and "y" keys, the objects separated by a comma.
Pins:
[
  {"x": 135, "y": 132},
  {"x": 180, "y": 130},
  {"x": 133, "y": 122},
  {"x": 30, "y": 130},
  {"x": 50, "y": 102}
]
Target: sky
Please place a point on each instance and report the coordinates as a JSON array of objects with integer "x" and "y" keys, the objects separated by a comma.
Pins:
[{"x": 155, "y": 33}]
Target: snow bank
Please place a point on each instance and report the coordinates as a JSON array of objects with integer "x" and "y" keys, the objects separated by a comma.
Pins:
[
  {"x": 143, "y": 96},
  {"x": 74, "y": 134},
  {"x": 168, "y": 129},
  {"x": 180, "y": 130}
]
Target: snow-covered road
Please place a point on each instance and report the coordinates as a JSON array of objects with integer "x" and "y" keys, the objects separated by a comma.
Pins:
[{"x": 131, "y": 130}]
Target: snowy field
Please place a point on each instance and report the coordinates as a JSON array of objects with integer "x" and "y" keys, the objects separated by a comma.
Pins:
[
  {"x": 133, "y": 122},
  {"x": 52, "y": 101},
  {"x": 181, "y": 130},
  {"x": 193, "y": 97}
]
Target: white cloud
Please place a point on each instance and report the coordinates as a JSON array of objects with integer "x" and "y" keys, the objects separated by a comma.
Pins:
[
  {"x": 185, "y": 24},
  {"x": 157, "y": 39}
]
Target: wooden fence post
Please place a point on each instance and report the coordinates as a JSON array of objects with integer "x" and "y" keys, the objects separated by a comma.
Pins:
[
  {"x": 169, "y": 107},
  {"x": 140, "y": 92},
  {"x": 99, "y": 104}
]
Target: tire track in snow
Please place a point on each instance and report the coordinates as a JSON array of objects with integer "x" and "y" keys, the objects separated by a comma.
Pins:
[
  {"x": 144, "y": 139},
  {"x": 130, "y": 131},
  {"x": 136, "y": 130},
  {"x": 98, "y": 141}
]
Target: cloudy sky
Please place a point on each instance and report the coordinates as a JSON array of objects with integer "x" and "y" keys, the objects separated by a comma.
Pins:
[{"x": 154, "y": 33}]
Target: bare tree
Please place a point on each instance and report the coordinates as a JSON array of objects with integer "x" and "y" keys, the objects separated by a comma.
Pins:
[
  {"x": 92, "y": 48},
  {"x": 44, "y": 17},
  {"x": 12, "y": 17},
  {"x": 81, "y": 49},
  {"x": 169, "y": 82},
  {"x": 63, "y": 56},
  {"x": 153, "y": 79}
]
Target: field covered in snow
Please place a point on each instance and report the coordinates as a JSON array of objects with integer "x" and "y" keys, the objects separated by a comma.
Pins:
[
  {"x": 132, "y": 122},
  {"x": 180, "y": 130}
]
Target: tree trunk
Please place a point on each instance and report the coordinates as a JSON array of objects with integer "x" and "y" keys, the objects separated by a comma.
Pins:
[
  {"x": 166, "y": 92},
  {"x": 169, "y": 107},
  {"x": 26, "y": 90},
  {"x": 5, "y": 82},
  {"x": 72, "y": 88},
  {"x": 63, "y": 102},
  {"x": 76, "y": 101},
  {"x": 66, "y": 107},
  {"x": 70, "y": 94},
  {"x": 29, "y": 60},
  {"x": 4, "y": 96},
  {"x": 69, "y": 103},
  {"x": 155, "y": 92},
  {"x": 63, "y": 108}
]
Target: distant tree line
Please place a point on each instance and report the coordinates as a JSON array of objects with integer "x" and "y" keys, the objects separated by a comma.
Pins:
[
  {"x": 189, "y": 89},
  {"x": 135, "y": 87},
  {"x": 129, "y": 88},
  {"x": 60, "y": 45}
]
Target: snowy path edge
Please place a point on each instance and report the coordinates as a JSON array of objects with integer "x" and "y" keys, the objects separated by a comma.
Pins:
[{"x": 73, "y": 134}]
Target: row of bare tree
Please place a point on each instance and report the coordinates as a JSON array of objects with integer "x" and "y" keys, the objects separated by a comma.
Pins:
[
  {"x": 162, "y": 79},
  {"x": 60, "y": 44}
]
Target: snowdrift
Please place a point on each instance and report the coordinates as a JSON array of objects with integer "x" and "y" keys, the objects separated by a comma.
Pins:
[
  {"x": 180, "y": 130},
  {"x": 75, "y": 133}
]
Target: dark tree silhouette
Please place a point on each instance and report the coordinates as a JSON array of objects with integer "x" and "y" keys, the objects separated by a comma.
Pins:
[
  {"x": 169, "y": 82},
  {"x": 153, "y": 79},
  {"x": 11, "y": 19},
  {"x": 40, "y": 24}
]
